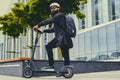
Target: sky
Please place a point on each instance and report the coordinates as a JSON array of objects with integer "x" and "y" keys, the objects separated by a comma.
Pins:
[{"x": 4, "y": 4}]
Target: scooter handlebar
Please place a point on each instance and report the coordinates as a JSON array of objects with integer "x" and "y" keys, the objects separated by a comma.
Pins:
[{"x": 39, "y": 31}]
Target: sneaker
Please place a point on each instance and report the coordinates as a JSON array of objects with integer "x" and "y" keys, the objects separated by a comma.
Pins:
[{"x": 48, "y": 68}]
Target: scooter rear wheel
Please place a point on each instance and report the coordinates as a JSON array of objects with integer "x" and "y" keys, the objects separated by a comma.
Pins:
[
  {"x": 27, "y": 72},
  {"x": 69, "y": 72}
]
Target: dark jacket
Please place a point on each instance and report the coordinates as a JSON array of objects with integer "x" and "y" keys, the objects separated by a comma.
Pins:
[{"x": 59, "y": 29}]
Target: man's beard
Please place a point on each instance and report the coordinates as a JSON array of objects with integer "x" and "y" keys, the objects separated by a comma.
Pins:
[{"x": 54, "y": 13}]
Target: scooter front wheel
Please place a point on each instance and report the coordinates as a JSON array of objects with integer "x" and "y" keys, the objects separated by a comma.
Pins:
[
  {"x": 69, "y": 72},
  {"x": 27, "y": 72}
]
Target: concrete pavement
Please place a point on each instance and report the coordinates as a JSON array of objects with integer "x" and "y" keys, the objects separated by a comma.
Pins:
[{"x": 107, "y": 75}]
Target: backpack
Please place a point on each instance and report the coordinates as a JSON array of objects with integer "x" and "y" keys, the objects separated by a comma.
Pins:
[{"x": 71, "y": 28}]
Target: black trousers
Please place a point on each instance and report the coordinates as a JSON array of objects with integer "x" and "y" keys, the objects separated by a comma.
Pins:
[{"x": 64, "y": 50}]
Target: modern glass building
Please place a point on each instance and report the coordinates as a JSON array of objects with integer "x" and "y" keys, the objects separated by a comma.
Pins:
[
  {"x": 98, "y": 35},
  {"x": 101, "y": 42}
]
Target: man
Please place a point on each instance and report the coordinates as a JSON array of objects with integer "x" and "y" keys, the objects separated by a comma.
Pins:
[{"x": 60, "y": 40}]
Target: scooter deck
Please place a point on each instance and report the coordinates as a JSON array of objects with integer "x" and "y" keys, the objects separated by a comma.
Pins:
[{"x": 42, "y": 71}]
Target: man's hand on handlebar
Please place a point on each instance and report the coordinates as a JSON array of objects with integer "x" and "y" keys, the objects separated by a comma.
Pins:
[{"x": 35, "y": 28}]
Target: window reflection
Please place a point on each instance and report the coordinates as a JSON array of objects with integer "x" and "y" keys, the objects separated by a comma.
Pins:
[
  {"x": 81, "y": 48},
  {"x": 94, "y": 57},
  {"x": 118, "y": 35},
  {"x": 98, "y": 12},
  {"x": 114, "y": 55},
  {"x": 87, "y": 43},
  {"x": 83, "y": 22},
  {"x": 94, "y": 41},
  {"x": 111, "y": 38},
  {"x": 115, "y": 9},
  {"x": 75, "y": 45},
  {"x": 102, "y": 39},
  {"x": 103, "y": 56}
]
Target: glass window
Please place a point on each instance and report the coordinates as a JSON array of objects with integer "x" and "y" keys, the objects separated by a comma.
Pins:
[
  {"x": 88, "y": 57},
  {"x": 102, "y": 39},
  {"x": 87, "y": 43},
  {"x": 118, "y": 35},
  {"x": 115, "y": 9},
  {"x": 94, "y": 41},
  {"x": 23, "y": 1},
  {"x": 71, "y": 53},
  {"x": 118, "y": 54},
  {"x": 75, "y": 44},
  {"x": 18, "y": 0},
  {"x": 103, "y": 56},
  {"x": 111, "y": 38},
  {"x": 81, "y": 46},
  {"x": 95, "y": 57},
  {"x": 1, "y": 51},
  {"x": 83, "y": 22},
  {"x": 98, "y": 12},
  {"x": 96, "y": 1},
  {"x": 114, "y": 54},
  {"x": 79, "y": 24},
  {"x": 100, "y": 56},
  {"x": 18, "y": 47}
]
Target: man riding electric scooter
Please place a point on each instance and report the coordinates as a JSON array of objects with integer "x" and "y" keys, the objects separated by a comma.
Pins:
[{"x": 60, "y": 39}]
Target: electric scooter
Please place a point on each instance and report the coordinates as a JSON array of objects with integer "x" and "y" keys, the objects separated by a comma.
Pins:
[{"x": 30, "y": 67}]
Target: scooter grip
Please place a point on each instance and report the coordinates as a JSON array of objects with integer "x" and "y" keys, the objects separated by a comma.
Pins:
[{"x": 39, "y": 31}]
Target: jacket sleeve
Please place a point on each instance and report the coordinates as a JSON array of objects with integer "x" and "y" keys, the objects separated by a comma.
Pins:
[
  {"x": 49, "y": 21},
  {"x": 51, "y": 30}
]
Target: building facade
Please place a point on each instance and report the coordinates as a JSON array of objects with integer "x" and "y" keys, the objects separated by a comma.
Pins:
[
  {"x": 98, "y": 36},
  {"x": 101, "y": 42},
  {"x": 7, "y": 49}
]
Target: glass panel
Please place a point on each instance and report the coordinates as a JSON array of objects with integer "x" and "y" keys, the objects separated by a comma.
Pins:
[
  {"x": 88, "y": 57},
  {"x": 94, "y": 41},
  {"x": 102, "y": 39},
  {"x": 81, "y": 58},
  {"x": 81, "y": 49},
  {"x": 83, "y": 22},
  {"x": 118, "y": 35},
  {"x": 113, "y": 54},
  {"x": 75, "y": 45},
  {"x": 71, "y": 54},
  {"x": 115, "y": 9},
  {"x": 98, "y": 12},
  {"x": 1, "y": 51},
  {"x": 111, "y": 40},
  {"x": 100, "y": 56},
  {"x": 103, "y": 56},
  {"x": 118, "y": 54},
  {"x": 95, "y": 57},
  {"x": 87, "y": 43},
  {"x": 18, "y": 0}
]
